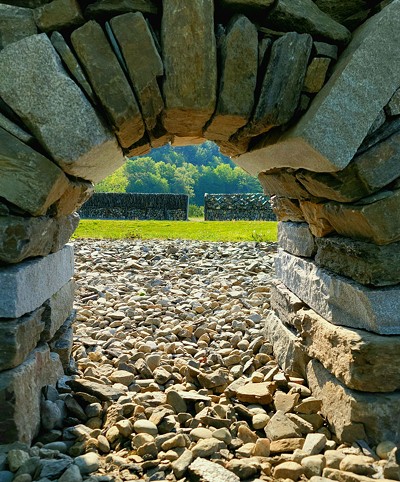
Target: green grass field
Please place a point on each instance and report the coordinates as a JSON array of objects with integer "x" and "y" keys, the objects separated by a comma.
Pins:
[{"x": 194, "y": 229}]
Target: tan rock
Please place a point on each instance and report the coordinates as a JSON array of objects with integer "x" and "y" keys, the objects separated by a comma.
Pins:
[
  {"x": 288, "y": 470},
  {"x": 286, "y": 445},
  {"x": 261, "y": 393}
]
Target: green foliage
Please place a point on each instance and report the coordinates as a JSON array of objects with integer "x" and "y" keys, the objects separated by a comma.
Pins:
[
  {"x": 191, "y": 170},
  {"x": 196, "y": 211},
  {"x": 197, "y": 230}
]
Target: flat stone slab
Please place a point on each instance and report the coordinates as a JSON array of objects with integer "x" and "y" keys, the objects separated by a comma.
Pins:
[
  {"x": 321, "y": 141},
  {"x": 366, "y": 263},
  {"x": 47, "y": 275},
  {"x": 58, "y": 14},
  {"x": 296, "y": 238},
  {"x": 355, "y": 415},
  {"x": 20, "y": 393},
  {"x": 57, "y": 309},
  {"x": 62, "y": 341},
  {"x": 19, "y": 162},
  {"x": 16, "y": 23},
  {"x": 107, "y": 8},
  {"x": 340, "y": 300},
  {"x": 359, "y": 359},
  {"x": 18, "y": 337},
  {"x": 55, "y": 109},
  {"x": 239, "y": 65},
  {"x": 190, "y": 71}
]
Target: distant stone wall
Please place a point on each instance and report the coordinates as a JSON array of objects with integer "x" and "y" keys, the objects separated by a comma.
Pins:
[
  {"x": 173, "y": 207},
  {"x": 235, "y": 207}
]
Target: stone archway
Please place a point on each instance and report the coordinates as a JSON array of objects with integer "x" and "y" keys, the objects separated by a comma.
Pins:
[{"x": 123, "y": 77}]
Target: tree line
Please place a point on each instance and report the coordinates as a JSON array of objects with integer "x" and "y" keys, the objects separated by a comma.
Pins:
[{"x": 191, "y": 170}]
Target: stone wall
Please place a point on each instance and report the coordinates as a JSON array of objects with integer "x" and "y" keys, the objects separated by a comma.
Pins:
[
  {"x": 172, "y": 207},
  {"x": 305, "y": 94},
  {"x": 234, "y": 207}
]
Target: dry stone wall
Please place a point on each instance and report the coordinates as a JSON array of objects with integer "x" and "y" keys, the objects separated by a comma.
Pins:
[
  {"x": 305, "y": 95},
  {"x": 235, "y": 207}
]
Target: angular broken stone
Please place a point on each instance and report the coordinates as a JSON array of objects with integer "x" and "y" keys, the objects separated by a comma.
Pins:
[
  {"x": 208, "y": 471},
  {"x": 287, "y": 209},
  {"x": 283, "y": 183},
  {"x": 58, "y": 14},
  {"x": 296, "y": 238},
  {"x": 16, "y": 23},
  {"x": 316, "y": 75},
  {"x": 320, "y": 141},
  {"x": 109, "y": 82},
  {"x": 99, "y": 390},
  {"x": 305, "y": 17},
  {"x": 110, "y": 8},
  {"x": 57, "y": 308},
  {"x": 281, "y": 427},
  {"x": 339, "y": 300},
  {"x": 261, "y": 393},
  {"x": 61, "y": 118},
  {"x": 239, "y": 58},
  {"x": 343, "y": 9},
  {"x": 62, "y": 341},
  {"x": 282, "y": 83},
  {"x": 190, "y": 73},
  {"x": 314, "y": 214},
  {"x": 77, "y": 193},
  {"x": 143, "y": 62},
  {"x": 19, "y": 162},
  {"x": 15, "y": 130}
]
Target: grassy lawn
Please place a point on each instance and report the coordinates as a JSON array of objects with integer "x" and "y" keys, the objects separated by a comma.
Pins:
[{"x": 193, "y": 229}]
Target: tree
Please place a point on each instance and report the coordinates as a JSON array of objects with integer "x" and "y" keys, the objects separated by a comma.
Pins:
[{"x": 117, "y": 182}]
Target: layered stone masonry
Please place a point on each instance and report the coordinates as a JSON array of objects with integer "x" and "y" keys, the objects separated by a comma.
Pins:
[
  {"x": 172, "y": 207},
  {"x": 293, "y": 88},
  {"x": 228, "y": 207}
]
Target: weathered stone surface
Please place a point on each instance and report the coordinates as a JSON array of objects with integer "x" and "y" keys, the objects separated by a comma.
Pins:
[
  {"x": 99, "y": 390},
  {"x": 58, "y": 14},
  {"x": 261, "y": 393},
  {"x": 143, "y": 62},
  {"x": 57, "y": 308},
  {"x": 393, "y": 107},
  {"x": 367, "y": 173},
  {"x": 339, "y": 10},
  {"x": 288, "y": 349},
  {"x": 18, "y": 337},
  {"x": 355, "y": 415},
  {"x": 109, "y": 82},
  {"x": 62, "y": 341},
  {"x": 208, "y": 471},
  {"x": 282, "y": 83},
  {"x": 323, "y": 49},
  {"x": 281, "y": 427},
  {"x": 339, "y": 300},
  {"x": 190, "y": 73},
  {"x": 247, "y": 4},
  {"x": 110, "y": 8},
  {"x": 361, "y": 360},
  {"x": 15, "y": 130},
  {"x": 367, "y": 220},
  {"x": 70, "y": 60},
  {"x": 65, "y": 227},
  {"x": 77, "y": 193},
  {"x": 283, "y": 183},
  {"x": 28, "y": 179},
  {"x": 305, "y": 17},
  {"x": 316, "y": 75},
  {"x": 287, "y": 209},
  {"x": 16, "y": 23},
  {"x": 239, "y": 58},
  {"x": 20, "y": 394},
  {"x": 296, "y": 238},
  {"x": 55, "y": 110},
  {"x": 321, "y": 142},
  {"x": 366, "y": 263},
  {"x": 46, "y": 274},
  {"x": 315, "y": 216}
]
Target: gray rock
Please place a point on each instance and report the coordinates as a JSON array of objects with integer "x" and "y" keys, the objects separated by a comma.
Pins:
[
  {"x": 190, "y": 73},
  {"x": 109, "y": 82},
  {"x": 247, "y": 4},
  {"x": 15, "y": 130},
  {"x": 99, "y": 390},
  {"x": 52, "y": 469},
  {"x": 143, "y": 62},
  {"x": 87, "y": 463},
  {"x": 207, "y": 447},
  {"x": 72, "y": 474},
  {"x": 320, "y": 141},
  {"x": 72, "y": 64},
  {"x": 393, "y": 107},
  {"x": 107, "y": 8},
  {"x": 47, "y": 274},
  {"x": 180, "y": 466},
  {"x": 16, "y": 23},
  {"x": 239, "y": 57},
  {"x": 18, "y": 337},
  {"x": 296, "y": 238},
  {"x": 61, "y": 118},
  {"x": 339, "y": 300},
  {"x": 354, "y": 415},
  {"x": 6, "y": 476},
  {"x": 305, "y": 17},
  {"x": 65, "y": 227},
  {"x": 326, "y": 50},
  {"x": 62, "y": 341},
  {"x": 210, "y": 471},
  {"x": 366, "y": 263},
  {"x": 57, "y": 308},
  {"x": 47, "y": 182},
  {"x": 314, "y": 443},
  {"x": 58, "y": 14},
  {"x": 340, "y": 10},
  {"x": 20, "y": 394},
  {"x": 281, "y": 427},
  {"x": 282, "y": 83}
]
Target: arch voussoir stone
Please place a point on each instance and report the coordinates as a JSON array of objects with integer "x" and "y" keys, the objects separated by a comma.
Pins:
[{"x": 304, "y": 94}]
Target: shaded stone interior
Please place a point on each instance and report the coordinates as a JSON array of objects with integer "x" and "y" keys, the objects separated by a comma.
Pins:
[{"x": 305, "y": 95}]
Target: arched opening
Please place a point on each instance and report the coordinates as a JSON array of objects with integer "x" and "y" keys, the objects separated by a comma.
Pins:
[{"x": 259, "y": 78}]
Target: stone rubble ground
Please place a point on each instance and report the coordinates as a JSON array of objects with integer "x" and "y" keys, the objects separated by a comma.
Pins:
[{"x": 171, "y": 379}]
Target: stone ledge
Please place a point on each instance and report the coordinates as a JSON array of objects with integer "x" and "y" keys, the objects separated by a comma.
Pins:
[
  {"x": 46, "y": 275},
  {"x": 340, "y": 300}
]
